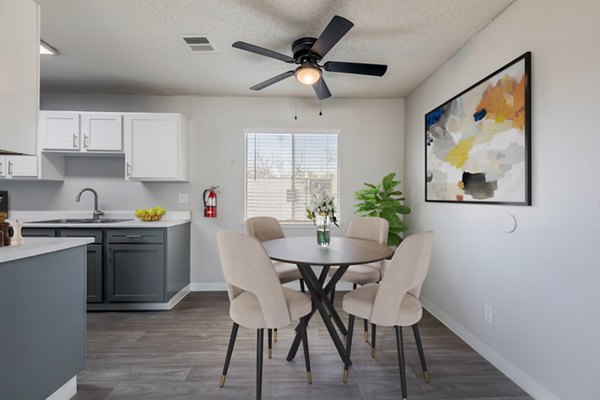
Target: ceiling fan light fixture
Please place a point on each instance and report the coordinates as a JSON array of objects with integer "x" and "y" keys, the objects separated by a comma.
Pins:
[
  {"x": 308, "y": 53},
  {"x": 308, "y": 75}
]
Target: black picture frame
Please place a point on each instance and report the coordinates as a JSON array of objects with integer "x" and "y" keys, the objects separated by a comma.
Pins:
[{"x": 489, "y": 175}]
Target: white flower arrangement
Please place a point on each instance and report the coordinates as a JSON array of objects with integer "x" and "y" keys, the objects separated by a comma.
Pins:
[{"x": 321, "y": 203}]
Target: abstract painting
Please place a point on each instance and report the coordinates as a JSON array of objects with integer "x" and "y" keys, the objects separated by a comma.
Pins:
[{"x": 478, "y": 144}]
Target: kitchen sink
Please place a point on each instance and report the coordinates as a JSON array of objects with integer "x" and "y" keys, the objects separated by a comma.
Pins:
[{"x": 80, "y": 221}]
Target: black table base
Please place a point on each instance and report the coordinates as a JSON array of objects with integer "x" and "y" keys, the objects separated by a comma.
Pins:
[{"x": 322, "y": 303}]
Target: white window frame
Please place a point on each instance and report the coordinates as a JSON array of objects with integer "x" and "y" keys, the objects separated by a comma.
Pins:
[{"x": 294, "y": 131}]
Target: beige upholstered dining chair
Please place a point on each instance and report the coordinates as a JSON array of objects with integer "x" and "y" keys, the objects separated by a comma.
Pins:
[
  {"x": 257, "y": 299},
  {"x": 269, "y": 228},
  {"x": 395, "y": 300},
  {"x": 368, "y": 228}
]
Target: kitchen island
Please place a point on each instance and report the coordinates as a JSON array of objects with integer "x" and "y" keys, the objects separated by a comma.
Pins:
[{"x": 42, "y": 318}]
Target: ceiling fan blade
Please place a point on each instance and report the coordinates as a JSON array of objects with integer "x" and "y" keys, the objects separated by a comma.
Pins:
[
  {"x": 262, "y": 51},
  {"x": 332, "y": 34},
  {"x": 321, "y": 89},
  {"x": 272, "y": 80},
  {"x": 355, "y": 68}
]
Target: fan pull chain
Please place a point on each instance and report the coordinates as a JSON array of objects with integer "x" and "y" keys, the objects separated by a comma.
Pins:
[
  {"x": 295, "y": 100},
  {"x": 320, "y": 101}
]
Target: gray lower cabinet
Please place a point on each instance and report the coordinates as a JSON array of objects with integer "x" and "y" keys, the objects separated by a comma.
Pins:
[
  {"x": 131, "y": 265},
  {"x": 94, "y": 271},
  {"x": 135, "y": 265},
  {"x": 136, "y": 272}
]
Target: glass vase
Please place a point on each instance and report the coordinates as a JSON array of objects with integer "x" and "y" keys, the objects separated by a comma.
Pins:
[{"x": 323, "y": 223}]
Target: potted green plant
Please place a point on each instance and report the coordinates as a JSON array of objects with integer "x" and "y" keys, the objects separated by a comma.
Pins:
[{"x": 384, "y": 201}]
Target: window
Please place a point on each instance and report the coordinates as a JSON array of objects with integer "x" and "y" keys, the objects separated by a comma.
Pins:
[{"x": 282, "y": 169}]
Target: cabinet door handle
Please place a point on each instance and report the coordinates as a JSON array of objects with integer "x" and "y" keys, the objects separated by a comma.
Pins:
[
  {"x": 74, "y": 141},
  {"x": 10, "y": 168},
  {"x": 86, "y": 141},
  {"x": 134, "y": 236},
  {"x": 128, "y": 172}
]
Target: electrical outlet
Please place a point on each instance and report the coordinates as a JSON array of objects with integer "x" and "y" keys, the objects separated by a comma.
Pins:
[
  {"x": 488, "y": 314},
  {"x": 184, "y": 198}
]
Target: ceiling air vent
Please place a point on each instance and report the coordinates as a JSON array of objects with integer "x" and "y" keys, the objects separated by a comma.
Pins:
[{"x": 198, "y": 44}]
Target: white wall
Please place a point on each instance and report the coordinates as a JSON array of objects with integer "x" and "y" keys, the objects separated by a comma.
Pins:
[
  {"x": 542, "y": 279},
  {"x": 371, "y": 145}
]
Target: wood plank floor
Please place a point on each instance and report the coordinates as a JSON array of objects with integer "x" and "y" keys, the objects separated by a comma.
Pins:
[{"x": 179, "y": 354}]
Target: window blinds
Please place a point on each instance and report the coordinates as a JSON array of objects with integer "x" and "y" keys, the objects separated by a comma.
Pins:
[{"x": 282, "y": 170}]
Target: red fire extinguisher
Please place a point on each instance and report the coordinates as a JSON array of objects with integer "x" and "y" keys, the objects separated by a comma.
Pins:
[{"x": 210, "y": 202}]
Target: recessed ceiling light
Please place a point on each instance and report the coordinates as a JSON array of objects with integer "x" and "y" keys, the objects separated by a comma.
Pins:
[{"x": 46, "y": 49}]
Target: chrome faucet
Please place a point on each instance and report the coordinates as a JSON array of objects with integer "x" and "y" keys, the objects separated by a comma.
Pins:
[{"x": 97, "y": 212}]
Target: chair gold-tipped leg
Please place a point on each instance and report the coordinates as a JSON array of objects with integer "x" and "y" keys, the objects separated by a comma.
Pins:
[
  {"x": 269, "y": 353},
  {"x": 366, "y": 336},
  {"x": 345, "y": 376},
  {"x": 309, "y": 377},
  {"x": 426, "y": 376},
  {"x": 372, "y": 352},
  {"x": 234, "y": 330},
  {"x": 275, "y": 334}
]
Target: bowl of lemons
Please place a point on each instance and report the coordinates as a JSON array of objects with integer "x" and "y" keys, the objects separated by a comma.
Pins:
[{"x": 150, "y": 214}]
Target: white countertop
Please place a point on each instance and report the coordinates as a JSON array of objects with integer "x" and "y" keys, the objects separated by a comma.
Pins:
[
  {"x": 36, "y": 246},
  {"x": 171, "y": 218}
]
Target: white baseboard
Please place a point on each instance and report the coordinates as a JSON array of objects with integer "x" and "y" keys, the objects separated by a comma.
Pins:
[
  {"x": 178, "y": 296},
  {"x": 532, "y": 387},
  {"x": 141, "y": 306},
  {"x": 208, "y": 286},
  {"x": 66, "y": 391},
  {"x": 221, "y": 286}
]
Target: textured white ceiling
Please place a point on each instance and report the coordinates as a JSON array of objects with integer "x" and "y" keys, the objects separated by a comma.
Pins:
[{"x": 135, "y": 46}]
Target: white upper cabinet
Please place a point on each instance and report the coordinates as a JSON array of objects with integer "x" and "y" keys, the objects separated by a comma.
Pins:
[
  {"x": 80, "y": 132},
  {"x": 156, "y": 147},
  {"x": 59, "y": 130},
  {"x": 19, "y": 75},
  {"x": 101, "y": 132},
  {"x": 19, "y": 166}
]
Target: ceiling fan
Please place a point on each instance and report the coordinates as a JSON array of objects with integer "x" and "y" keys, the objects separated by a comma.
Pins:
[{"x": 308, "y": 52}]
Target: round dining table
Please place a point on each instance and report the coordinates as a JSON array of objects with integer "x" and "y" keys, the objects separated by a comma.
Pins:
[{"x": 341, "y": 252}]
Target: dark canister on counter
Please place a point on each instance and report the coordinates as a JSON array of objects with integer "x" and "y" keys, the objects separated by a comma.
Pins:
[{"x": 4, "y": 229}]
